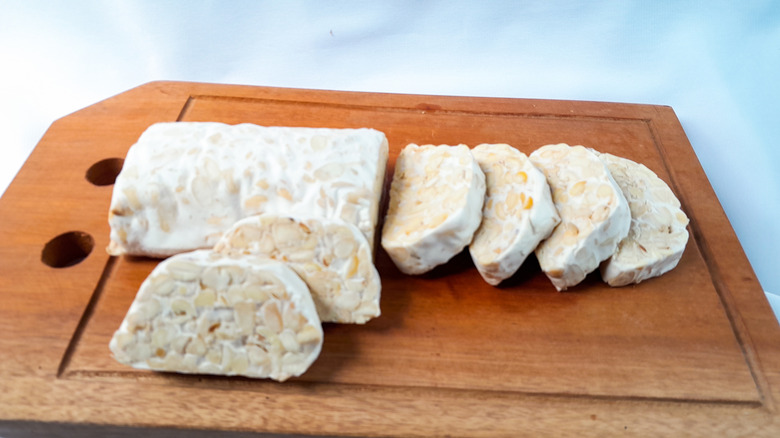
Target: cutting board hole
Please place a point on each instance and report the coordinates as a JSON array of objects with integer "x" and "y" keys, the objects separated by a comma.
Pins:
[
  {"x": 104, "y": 172},
  {"x": 67, "y": 249}
]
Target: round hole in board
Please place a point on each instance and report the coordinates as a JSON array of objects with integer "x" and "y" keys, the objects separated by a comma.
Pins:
[
  {"x": 67, "y": 249},
  {"x": 104, "y": 172}
]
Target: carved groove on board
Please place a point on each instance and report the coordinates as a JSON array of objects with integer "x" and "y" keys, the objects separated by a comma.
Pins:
[
  {"x": 184, "y": 109},
  {"x": 63, "y": 371},
  {"x": 410, "y": 109},
  {"x": 86, "y": 316},
  {"x": 726, "y": 299},
  {"x": 263, "y": 386}
]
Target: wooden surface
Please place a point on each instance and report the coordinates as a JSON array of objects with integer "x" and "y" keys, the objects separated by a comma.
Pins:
[{"x": 695, "y": 352}]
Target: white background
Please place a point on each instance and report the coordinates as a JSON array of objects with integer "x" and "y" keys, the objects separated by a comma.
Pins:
[{"x": 717, "y": 63}]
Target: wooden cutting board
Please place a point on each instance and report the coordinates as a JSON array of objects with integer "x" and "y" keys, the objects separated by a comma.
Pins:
[{"x": 695, "y": 352}]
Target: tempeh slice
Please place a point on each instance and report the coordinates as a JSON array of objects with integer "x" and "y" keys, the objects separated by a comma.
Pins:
[
  {"x": 594, "y": 214},
  {"x": 184, "y": 183},
  {"x": 517, "y": 215},
  {"x": 331, "y": 256},
  {"x": 658, "y": 234},
  {"x": 208, "y": 313},
  {"x": 436, "y": 199}
]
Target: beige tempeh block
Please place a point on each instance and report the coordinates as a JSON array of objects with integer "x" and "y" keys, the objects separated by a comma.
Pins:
[
  {"x": 435, "y": 206},
  {"x": 207, "y": 313},
  {"x": 517, "y": 215},
  {"x": 594, "y": 213},
  {"x": 330, "y": 255},
  {"x": 658, "y": 234},
  {"x": 184, "y": 183}
]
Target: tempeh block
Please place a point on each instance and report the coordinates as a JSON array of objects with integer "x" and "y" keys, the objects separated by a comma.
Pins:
[
  {"x": 658, "y": 234},
  {"x": 517, "y": 215},
  {"x": 184, "y": 183},
  {"x": 330, "y": 255},
  {"x": 436, "y": 199},
  {"x": 207, "y": 313},
  {"x": 594, "y": 213}
]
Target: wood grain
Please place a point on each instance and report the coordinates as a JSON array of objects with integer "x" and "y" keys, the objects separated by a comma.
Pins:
[{"x": 695, "y": 352}]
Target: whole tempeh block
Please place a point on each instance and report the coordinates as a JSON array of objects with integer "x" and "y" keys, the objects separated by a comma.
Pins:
[
  {"x": 436, "y": 199},
  {"x": 330, "y": 255},
  {"x": 205, "y": 312},
  {"x": 594, "y": 213},
  {"x": 184, "y": 183},
  {"x": 517, "y": 215},
  {"x": 658, "y": 234}
]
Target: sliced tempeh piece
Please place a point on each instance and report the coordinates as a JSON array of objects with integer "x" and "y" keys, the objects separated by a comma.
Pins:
[
  {"x": 658, "y": 234},
  {"x": 184, "y": 183},
  {"x": 594, "y": 214},
  {"x": 517, "y": 215},
  {"x": 435, "y": 206},
  {"x": 205, "y": 312},
  {"x": 331, "y": 256}
]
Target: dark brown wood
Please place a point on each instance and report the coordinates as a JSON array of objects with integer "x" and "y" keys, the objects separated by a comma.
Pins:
[{"x": 694, "y": 352}]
